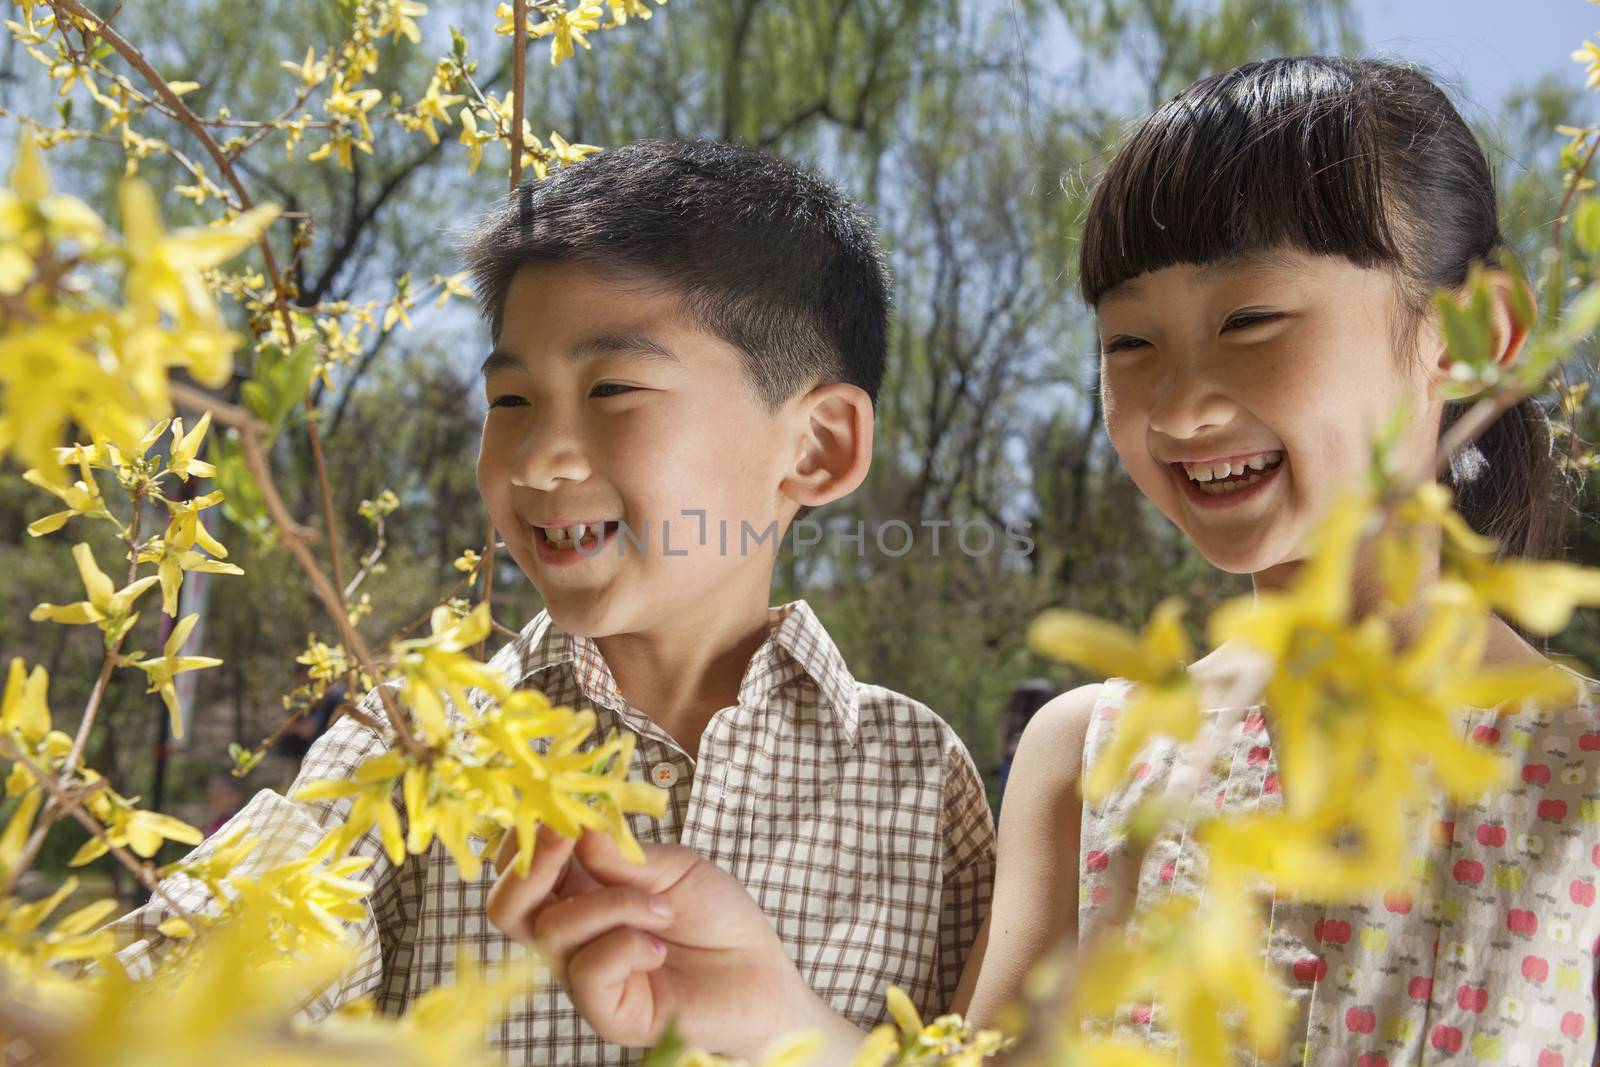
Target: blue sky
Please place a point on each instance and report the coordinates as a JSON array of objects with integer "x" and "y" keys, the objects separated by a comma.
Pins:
[{"x": 1482, "y": 48}]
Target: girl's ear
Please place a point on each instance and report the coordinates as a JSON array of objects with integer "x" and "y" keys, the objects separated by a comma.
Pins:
[
  {"x": 1511, "y": 313},
  {"x": 835, "y": 446}
]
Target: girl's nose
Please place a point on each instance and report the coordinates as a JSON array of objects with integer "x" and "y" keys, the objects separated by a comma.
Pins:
[{"x": 1187, "y": 405}]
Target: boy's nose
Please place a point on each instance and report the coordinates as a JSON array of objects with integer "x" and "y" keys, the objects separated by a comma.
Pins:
[{"x": 548, "y": 458}]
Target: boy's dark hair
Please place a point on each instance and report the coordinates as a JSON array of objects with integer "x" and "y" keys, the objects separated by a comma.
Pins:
[
  {"x": 767, "y": 256},
  {"x": 1357, "y": 158}
]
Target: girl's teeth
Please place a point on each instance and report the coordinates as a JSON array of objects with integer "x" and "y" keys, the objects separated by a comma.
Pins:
[
  {"x": 1232, "y": 487},
  {"x": 1213, "y": 472}
]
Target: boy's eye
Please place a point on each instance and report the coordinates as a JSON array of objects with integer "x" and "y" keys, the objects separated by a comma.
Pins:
[
  {"x": 605, "y": 389},
  {"x": 1117, "y": 344},
  {"x": 507, "y": 400},
  {"x": 1245, "y": 319}
]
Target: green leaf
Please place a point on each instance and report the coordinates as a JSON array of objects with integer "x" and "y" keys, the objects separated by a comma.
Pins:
[
  {"x": 1586, "y": 226},
  {"x": 241, "y": 497},
  {"x": 1466, "y": 330},
  {"x": 668, "y": 1050}
]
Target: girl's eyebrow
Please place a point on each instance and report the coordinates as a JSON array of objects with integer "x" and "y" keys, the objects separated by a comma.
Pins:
[
  {"x": 636, "y": 345},
  {"x": 1245, "y": 264}
]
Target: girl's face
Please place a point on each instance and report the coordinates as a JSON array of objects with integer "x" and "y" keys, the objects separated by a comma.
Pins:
[{"x": 1244, "y": 395}]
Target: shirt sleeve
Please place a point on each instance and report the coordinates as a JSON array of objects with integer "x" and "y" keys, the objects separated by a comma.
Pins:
[
  {"x": 288, "y": 829},
  {"x": 968, "y": 870}
]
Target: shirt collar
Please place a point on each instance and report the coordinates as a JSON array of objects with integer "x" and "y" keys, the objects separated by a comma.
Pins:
[{"x": 797, "y": 648}]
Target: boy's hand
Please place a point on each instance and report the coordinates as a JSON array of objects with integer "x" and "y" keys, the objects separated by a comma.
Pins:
[{"x": 636, "y": 947}]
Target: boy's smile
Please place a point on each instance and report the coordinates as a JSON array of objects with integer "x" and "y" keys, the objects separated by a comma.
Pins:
[{"x": 620, "y": 438}]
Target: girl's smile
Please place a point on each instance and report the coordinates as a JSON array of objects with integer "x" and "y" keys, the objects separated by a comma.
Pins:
[
  {"x": 1227, "y": 483},
  {"x": 1243, "y": 396}
]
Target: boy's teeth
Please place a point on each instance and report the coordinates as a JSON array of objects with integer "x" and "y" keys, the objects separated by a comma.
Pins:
[{"x": 569, "y": 536}]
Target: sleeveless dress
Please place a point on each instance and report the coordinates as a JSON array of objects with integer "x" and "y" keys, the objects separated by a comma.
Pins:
[{"x": 1488, "y": 959}]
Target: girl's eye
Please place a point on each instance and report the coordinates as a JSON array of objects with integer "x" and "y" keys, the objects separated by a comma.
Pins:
[
  {"x": 1245, "y": 319},
  {"x": 607, "y": 389},
  {"x": 1117, "y": 344},
  {"x": 508, "y": 401}
]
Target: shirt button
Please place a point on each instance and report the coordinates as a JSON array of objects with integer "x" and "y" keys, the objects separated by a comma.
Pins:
[{"x": 664, "y": 775}]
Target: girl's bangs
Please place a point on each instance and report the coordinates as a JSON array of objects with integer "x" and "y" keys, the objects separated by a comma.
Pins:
[{"x": 1272, "y": 155}]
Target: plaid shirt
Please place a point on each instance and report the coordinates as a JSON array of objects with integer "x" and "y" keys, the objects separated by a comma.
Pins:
[{"x": 854, "y": 816}]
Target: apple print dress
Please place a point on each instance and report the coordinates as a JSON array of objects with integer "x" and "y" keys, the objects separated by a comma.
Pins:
[{"x": 1488, "y": 959}]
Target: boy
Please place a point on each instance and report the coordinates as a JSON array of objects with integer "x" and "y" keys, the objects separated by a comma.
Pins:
[{"x": 688, "y": 340}]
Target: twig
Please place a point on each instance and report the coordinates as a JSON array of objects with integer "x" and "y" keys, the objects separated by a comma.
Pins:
[
  {"x": 181, "y": 112},
  {"x": 1553, "y": 294},
  {"x": 519, "y": 63},
  {"x": 251, "y": 431},
  {"x": 63, "y": 797}
]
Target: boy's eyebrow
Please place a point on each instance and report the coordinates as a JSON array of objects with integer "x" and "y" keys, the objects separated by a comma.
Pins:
[{"x": 638, "y": 345}]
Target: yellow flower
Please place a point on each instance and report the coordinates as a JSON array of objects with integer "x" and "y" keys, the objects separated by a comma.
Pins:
[
  {"x": 76, "y": 937},
  {"x": 162, "y": 671},
  {"x": 185, "y": 447},
  {"x": 107, "y": 606},
  {"x": 436, "y": 667},
  {"x": 128, "y": 826},
  {"x": 25, "y": 707},
  {"x": 164, "y": 268},
  {"x": 473, "y": 138},
  {"x": 326, "y": 662},
  {"x": 81, "y": 498},
  {"x": 621, "y": 10},
  {"x": 1539, "y": 596},
  {"x": 174, "y": 553},
  {"x": 311, "y": 71},
  {"x": 433, "y": 107},
  {"x": 399, "y": 19},
  {"x": 1165, "y": 701},
  {"x": 485, "y": 775},
  {"x": 350, "y": 106},
  {"x": 50, "y": 376},
  {"x": 566, "y": 152},
  {"x": 1199, "y": 961},
  {"x": 568, "y": 27},
  {"x": 340, "y": 142},
  {"x": 454, "y": 285}
]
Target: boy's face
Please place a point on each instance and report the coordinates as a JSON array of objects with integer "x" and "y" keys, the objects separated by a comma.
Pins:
[
  {"x": 1282, "y": 367},
  {"x": 606, "y": 406}
]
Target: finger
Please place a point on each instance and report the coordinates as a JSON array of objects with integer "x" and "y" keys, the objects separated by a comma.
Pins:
[
  {"x": 561, "y": 928},
  {"x": 511, "y": 840},
  {"x": 608, "y": 981},
  {"x": 512, "y": 900},
  {"x": 663, "y": 865}
]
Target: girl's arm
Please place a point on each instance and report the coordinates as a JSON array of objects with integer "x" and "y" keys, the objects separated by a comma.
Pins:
[{"x": 1036, "y": 875}]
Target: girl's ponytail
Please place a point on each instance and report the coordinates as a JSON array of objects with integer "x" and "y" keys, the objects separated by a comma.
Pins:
[{"x": 1509, "y": 484}]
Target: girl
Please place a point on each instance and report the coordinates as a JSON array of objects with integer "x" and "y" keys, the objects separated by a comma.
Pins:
[{"x": 1259, "y": 257}]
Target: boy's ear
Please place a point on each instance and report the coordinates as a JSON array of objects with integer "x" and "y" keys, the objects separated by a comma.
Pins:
[
  {"x": 1511, "y": 312},
  {"x": 835, "y": 446}
]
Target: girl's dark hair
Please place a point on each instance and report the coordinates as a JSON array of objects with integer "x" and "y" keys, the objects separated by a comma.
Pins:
[{"x": 1343, "y": 157}]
